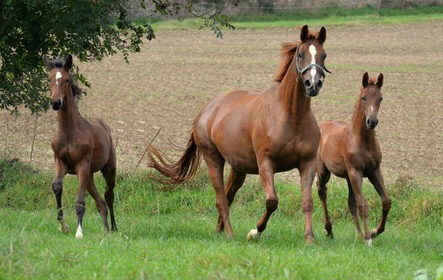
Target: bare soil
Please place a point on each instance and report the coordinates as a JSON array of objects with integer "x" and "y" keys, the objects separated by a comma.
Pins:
[{"x": 171, "y": 79}]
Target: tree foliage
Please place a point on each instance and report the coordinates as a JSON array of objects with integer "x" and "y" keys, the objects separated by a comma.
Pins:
[{"x": 88, "y": 29}]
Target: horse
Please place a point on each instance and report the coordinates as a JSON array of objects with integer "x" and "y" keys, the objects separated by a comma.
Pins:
[
  {"x": 81, "y": 147},
  {"x": 351, "y": 151},
  {"x": 258, "y": 133}
]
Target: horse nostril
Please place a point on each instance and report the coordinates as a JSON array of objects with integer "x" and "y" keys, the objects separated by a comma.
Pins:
[
  {"x": 56, "y": 104},
  {"x": 319, "y": 84},
  {"x": 368, "y": 122},
  {"x": 307, "y": 84},
  {"x": 375, "y": 122}
]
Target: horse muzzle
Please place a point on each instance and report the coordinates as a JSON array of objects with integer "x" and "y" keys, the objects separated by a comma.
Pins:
[
  {"x": 313, "y": 89},
  {"x": 56, "y": 105},
  {"x": 371, "y": 123}
]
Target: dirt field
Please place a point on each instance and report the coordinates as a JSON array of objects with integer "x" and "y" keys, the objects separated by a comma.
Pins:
[{"x": 170, "y": 80}]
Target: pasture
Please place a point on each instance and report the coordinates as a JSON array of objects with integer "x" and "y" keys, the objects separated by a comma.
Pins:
[{"x": 170, "y": 233}]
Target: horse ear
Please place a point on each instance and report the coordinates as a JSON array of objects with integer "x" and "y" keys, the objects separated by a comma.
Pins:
[
  {"x": 68, "y": 62},
  {"x": 380, "y": 80},
  {"x": 304, "y": 33},
  {"x": 321, "y": 38},
  {"x": 47, "y": 62},
  {"x": 365, "y": 80}
]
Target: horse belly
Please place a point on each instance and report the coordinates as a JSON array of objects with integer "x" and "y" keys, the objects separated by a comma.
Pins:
[
  {"x": 240, "y": 156},
  {"x": 99, "y": 158}
]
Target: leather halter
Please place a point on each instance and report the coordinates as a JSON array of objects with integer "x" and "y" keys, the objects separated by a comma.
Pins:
[{"x": 302, "y": 71}]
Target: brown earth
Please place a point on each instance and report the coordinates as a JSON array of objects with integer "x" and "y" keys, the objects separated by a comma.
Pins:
[{"x": 171, "y": 79}]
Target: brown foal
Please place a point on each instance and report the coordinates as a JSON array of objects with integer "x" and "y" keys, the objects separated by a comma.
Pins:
[
  {"x": 80, "y": 147},
  {"x": 259, "y": 133},
  {"x": 351, "y": 151}
]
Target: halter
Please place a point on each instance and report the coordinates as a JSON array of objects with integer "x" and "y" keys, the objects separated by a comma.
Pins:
[{"x": 302, "y": 71}]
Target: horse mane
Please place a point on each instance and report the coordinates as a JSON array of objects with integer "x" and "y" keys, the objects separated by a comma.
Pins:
[
  {"x": 76, "y": 90},
  {"x": 287, "y": 54}
]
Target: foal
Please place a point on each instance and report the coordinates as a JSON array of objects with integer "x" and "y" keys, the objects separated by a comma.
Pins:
[
  {"x": 80, "y": 147},
  {"x": 351, "y": 151}
]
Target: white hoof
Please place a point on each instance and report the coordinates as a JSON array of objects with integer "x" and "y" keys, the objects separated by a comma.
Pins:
[
  {"x": 64, "y": 228},
  {"x": 254, "y": 235},
  {"x": 368, "y": 242},
  {"x": 79, "y": 233}
]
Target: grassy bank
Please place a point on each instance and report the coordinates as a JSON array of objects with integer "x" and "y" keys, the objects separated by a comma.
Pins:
[
  {"x": 170, "y": 233},
  {"x": 322, "y": 16}
]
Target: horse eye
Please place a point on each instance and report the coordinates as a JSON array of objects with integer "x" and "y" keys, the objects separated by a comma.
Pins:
[
  {"x": 300, "y": 55},
  {"x": 381, "y": 99},
  {"x": 363, "y": 98}
]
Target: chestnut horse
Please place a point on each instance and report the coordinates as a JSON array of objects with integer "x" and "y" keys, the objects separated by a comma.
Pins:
[
  {"x": 80, "y": 147},
  {"x": 259, "y": 133},
  {"x": 351, "y": 151}
]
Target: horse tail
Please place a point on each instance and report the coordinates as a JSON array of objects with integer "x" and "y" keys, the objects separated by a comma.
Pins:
[{"x": 180, "y": 171}]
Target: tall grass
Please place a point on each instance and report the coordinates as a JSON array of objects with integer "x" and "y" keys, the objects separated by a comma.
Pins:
[{"x": 170, "y": 234}]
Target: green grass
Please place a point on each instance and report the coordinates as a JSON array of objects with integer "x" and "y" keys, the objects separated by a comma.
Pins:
[
  {"x": 317, "y": 17},
  {"x": 169, "y": 234}
]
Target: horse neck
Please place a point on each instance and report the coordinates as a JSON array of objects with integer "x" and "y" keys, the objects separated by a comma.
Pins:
[
  {"x": 69, "y": 118},
  {"x": 359, "y": 127},
  {"x": 292, "y": 95}
]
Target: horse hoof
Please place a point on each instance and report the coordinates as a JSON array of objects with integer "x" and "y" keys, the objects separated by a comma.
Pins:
[
  {"x": 309, "y": 240},
  {"x": 79, "y": 233},
  {"x": 368, "y": 242},
  {"x": 330, "y": 234},
  {"x": 253, "y": 235},
  {"x": 64, "y": 228}
]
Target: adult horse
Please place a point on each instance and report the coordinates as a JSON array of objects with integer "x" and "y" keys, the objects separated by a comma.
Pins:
[
  {"x": 351, "y": 151},
  {"x": 259, "y": 133},
  {"x": 80, "y": 147}
]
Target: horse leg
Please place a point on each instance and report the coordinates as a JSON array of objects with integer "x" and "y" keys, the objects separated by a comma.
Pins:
[
  {"x": 353, "y": 208},
  {"x": 266, "y": 173},
  {"x": 377, "y": 180},
  {"x": 356, "y": 180},
  {"x": 83, "y": 175},
  {"x": 99, "y": 202},
  {"x": 323, "y": 176},
  {"x": 109, "y": 174},
  {"x": 215, "y": 163},
  {"x": 307, "y": 174},
  {"x": 235, "y": 181},
  {"x": 57, "y": 187}
]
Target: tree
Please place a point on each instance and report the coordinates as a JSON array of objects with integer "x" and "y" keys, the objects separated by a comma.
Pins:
[{"x": 87, "y": 29}]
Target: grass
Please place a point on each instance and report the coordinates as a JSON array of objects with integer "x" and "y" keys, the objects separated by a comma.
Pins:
[
  {"x": 330, "y": 16},
  {"x": 169, "y": 234}
]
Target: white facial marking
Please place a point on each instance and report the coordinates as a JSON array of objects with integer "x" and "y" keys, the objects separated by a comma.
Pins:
[
  {"x": 79, "y": 233},
  {"x": 313, "y": 52},
  {"x": 253, "y": 235},
  {"x": 58, "y": 76},
  {"x": 372, "y": 109}
]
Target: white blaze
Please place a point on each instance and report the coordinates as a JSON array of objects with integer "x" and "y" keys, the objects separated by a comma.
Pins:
[
  {"x": 372, "y": 109},
  {"x": 313, "y": 52},
  {"x": 58, "y": 76}
]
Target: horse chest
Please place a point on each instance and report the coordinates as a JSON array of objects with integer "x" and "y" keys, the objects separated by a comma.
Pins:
[
  {"x": 365, "y": 160},
  {"x": 296, "y": 148},
  {"x": 70, "y": 152}
]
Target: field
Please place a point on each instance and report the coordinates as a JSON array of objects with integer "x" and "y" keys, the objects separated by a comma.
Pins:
[{"x": 170, "y": 234}]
